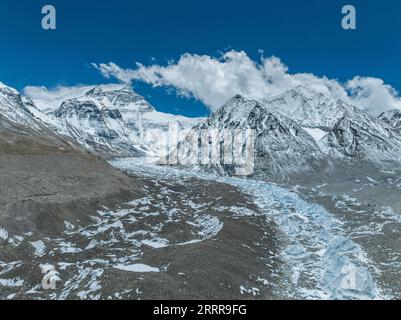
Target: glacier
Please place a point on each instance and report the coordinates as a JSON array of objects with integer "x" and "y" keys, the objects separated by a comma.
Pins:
[{"x": 324, "y": 262}]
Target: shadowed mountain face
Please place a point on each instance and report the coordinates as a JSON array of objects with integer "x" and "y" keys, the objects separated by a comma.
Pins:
[
  {"x": 44, "y": 176},
  {"x": 281, "y": 146}
]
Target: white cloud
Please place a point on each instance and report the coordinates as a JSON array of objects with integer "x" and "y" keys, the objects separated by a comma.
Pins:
[
  {"x": 213, "y": 80},
  {"x": 373, "y": 94},
  {"x": 111, "y": 70}
]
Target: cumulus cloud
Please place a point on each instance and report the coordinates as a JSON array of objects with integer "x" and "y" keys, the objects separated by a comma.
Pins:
[
  {"x": 213, "y": 80},
  {"x": 373, "y": 94}
]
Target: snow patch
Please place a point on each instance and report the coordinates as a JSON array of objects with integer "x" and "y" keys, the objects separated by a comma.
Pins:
[
  {"x": 40, "y": 248},
  {"x": 316, "y": 133},
  {"x": 138, "y": 267},
  {"x": 3, "y": 234}
]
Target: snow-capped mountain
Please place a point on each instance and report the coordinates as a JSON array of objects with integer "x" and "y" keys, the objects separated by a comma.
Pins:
[
  {"x": 16, "y": 108},
  {"x": 301, "y": 130},
  {"x": 281, "y": 146},
  {"x": 341, "y": 130},
  {"x": 112, "y": 120},
  {"x": 309, "y": 108},
  {"x": 358, "y": 135},
  {"x": 20, "y": 129},
  {"x": 294, "y": 132},
  {"x": 96, "y": 129}
]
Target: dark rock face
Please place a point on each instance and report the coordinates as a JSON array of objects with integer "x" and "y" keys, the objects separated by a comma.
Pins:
[
  {"x": 112, "y": 114},
  {"x": 82, "y": 110}
]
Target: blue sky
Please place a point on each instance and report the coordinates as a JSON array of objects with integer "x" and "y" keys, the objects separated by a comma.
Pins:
[{"x": 306, "y": 35}]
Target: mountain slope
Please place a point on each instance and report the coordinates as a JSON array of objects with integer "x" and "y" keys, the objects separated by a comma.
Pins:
[
  {"x": 357, "y": 135},
  {"x": 281, "y": 146},
  {"x": 392, "y": 118},
  {"x": 309, "y": 108},
  {"x": 297, "y": 131},
  {"x": 44, "y": 177},
  {"x": 15, "y": 108},
  {"x": 112, "y": 120},
  {"x": 346, "y": 132}
]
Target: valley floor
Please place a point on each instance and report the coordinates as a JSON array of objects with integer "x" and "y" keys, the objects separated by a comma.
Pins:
[
  {"x": 189, "y": 235},
  {"x": 317, "y": 251},
  {"x": 175, "y": 240}
]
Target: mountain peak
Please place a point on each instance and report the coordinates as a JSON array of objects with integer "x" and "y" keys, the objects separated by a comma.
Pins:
[
  {"x": 238, "y": 98},
  {"x": 7, "y": 88},
  {"x": 109, "y": 88},
  {"x": 238, "y": 105},
  {"x": 117, "y": 96},
  {"x": 302, "y": 91},
  {"x": 310, "y": 108}
]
